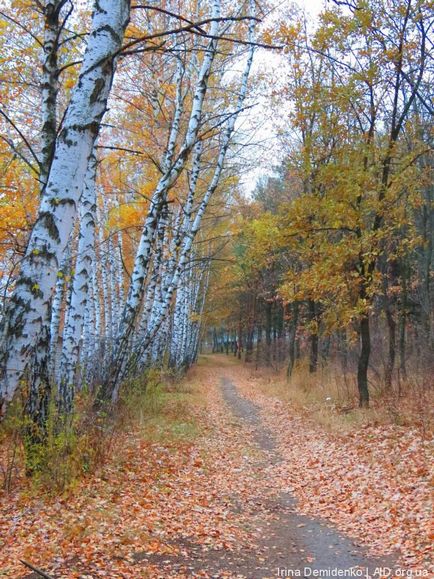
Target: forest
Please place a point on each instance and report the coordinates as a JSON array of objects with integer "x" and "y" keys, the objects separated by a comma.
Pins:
[{"x": 216, "y": 288}]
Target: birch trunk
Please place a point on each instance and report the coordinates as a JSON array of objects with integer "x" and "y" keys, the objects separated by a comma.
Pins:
[
  {"x": 49, "y": 85},
  {"x": 89, "y": 335},
  {"x": 80, "y": 289},
  {"x": 190, "y": 235},
  {"x": 96, "y": 306},
  {"x": 25, "y": 331},
  {"x": 56, "y": 311},
  {"x": 120, "y": 272},
  {"x": 141, "y": 264},
  {"x": 114, "y": 302},
  {"x": 102, "y": 264}
]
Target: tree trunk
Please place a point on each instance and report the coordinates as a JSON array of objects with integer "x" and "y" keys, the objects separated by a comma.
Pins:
[
  {"x": 190, "y": 230},
  {"x": 157, "y": 203},
  {"x": 49, "y": 86},
  {"x": 292, "y": 339},
  {"x": 391, "y": 325},
  {"x": 363, "y": 365},
  {"x": 402, "y": 353},
  {"x": 268, "y": 322},
  {"x": 240, "y": 335},
  {"x": 81, "y": 284},
  {"x": 313, "y": 338},
  {"x": 251, "y": 323},
  {"x": 215, "y": 343},
  {"x": 26, "y": 323},
  {"x": 56, "y": 311},
  {"x": 258, "y": 345}
]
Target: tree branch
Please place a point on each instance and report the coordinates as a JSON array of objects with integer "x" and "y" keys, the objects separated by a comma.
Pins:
[
  {"x": 11, "y": 122},
  {"x": 36, "y": 570}
]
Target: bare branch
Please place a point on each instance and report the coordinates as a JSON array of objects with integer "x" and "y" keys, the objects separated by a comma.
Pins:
[
  {"x": 11, "y": 122},
  {"x": 36, "y": 570}
]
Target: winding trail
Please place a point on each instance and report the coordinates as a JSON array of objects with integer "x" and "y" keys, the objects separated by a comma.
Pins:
[
  {"x": 292, "y": 541},
  {"x": 217, "y": 503},
  {"x": 287, "y": 544}
]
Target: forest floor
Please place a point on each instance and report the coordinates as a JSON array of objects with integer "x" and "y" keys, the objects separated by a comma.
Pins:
[{"x": 232, "y": 481}]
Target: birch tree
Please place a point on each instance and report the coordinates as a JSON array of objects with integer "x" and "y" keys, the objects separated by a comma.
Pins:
[
  {"x": 191, "y": 229},
  {"x": 81, "y": 285},
  {"x": 135, "y": 294},
  {"x": 25, "y": 335},
  {"x": 50, "y": 83}
]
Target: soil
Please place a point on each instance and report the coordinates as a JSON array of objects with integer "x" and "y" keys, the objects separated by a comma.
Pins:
[{"x": 289, "y": 544}]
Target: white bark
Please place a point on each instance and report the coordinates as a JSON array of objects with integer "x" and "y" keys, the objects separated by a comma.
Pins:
[
  {"x": 191, "y": 233},
  {"x": 49, "y": 84},
  {"x": 186, "y": 316},
  {"x": 25, "y": 331},
  {"x": 141, "y": 264},
  {"x": 102, "y": 265},
  {"x": 120, "y": 272},
  {"x": 56, "y": 311},
  {"x": 153, "y": 288},
  {"x": 114, "y": 302},
  {"x": 169, "y": 178},
  {"x": 97, "y": 305},
  {"x": 89, "y": 346},
  {"x": 80, "y": 287},
  {"x": 174, "y": 131}
]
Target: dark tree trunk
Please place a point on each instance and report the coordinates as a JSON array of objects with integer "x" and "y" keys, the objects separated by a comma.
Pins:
[
  {"x": 249, "y": 346},
  {"x": 240, "y": 336},
  {"x": 391, "y": 325},
  {"x": 325, "y": 348},
  {"x": 313, "y": 339},
  {"x": 215, "y": 341},
  {"x": 268, "y": 322},
  {"x": 292, "y": 339},
  {"x": 363, "y": 365},
  {"x": 258, "y": 346},
  {"x": 280, "y": 333},
  {"x": 342, "y": 340},
  {"x": 402, "y": 353},
  {"x": 250, "y": 328}
]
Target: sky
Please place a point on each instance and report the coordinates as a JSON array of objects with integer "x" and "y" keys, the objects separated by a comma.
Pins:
[
  {"x": 312, "y": 6},
  {"x": 263, "y": 151}
]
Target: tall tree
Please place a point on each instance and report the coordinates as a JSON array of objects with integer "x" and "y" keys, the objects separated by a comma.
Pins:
[{"x": 26, "y": 325}]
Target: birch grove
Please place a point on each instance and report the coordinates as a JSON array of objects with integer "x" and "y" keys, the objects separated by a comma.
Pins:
[
  {"x": 26, "y": 321},
  {"x": 113, "y": 279}
]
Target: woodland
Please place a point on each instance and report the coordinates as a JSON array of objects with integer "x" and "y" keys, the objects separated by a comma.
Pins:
[{"x": 216, "y": 245}]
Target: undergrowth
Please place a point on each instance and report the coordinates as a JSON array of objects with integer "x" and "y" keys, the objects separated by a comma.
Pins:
[{"x": 155, "y": 405}]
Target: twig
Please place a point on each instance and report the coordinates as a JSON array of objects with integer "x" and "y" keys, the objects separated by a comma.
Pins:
[{"x": 36, "y": 570}]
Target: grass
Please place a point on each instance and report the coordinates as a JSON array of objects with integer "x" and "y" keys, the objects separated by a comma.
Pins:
[
  {"x": 330, "y": 399},
  {"x": 159, "y": 408},
  {"x": 166, "y": 410}
]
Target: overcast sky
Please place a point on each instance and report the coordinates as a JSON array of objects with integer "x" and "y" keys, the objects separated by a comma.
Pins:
[
  {"x": 313, "y": 6},
  {"x": 263, "y": 151}
]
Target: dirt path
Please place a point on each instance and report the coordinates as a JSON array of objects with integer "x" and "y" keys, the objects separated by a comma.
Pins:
[
  {"x": 286, "y": 543},
  {"x": 292, "y": 541},
  {"x": 206, "y": 489}
]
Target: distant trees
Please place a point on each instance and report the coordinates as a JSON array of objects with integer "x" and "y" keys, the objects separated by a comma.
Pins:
[{"x": 340, "y": 250}]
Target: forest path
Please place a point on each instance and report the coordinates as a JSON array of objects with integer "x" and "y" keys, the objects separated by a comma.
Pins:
[
  {"x": 286, "y": 543},
  {"x": 227, "y": 479},
  {"x": 291, "y": 541}
]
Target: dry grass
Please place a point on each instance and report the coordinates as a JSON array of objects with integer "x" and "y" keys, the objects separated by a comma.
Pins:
[
  {"x": 157, "y": 408},
  {"x": 330, "y": 398}
]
